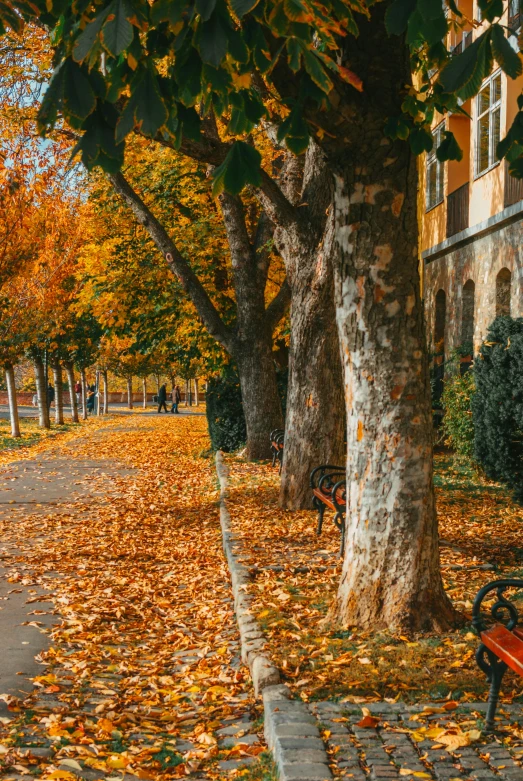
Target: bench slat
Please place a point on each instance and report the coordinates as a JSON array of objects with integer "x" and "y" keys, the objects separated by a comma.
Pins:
[
  {"x": 324, "y": 498},
  {"x": 506, "y": 645}
]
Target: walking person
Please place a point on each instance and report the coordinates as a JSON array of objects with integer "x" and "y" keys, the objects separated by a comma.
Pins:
[
  {"x": 78, "y": 391},
  {"x": 176, "y": 397},
  {"x": 162, "y": 398},
  {"x": 91, "y": 398},
  {"x": 50, "y": 395}
]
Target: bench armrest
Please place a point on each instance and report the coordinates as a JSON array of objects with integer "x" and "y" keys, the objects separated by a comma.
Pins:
[
  {"x": 322, "y": 470},
  {"x": 341, "y": 484},
  {"x": 502, "y": 611}
]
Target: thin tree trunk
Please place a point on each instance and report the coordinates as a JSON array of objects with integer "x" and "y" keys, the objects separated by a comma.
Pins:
[
  {"x": 84, "y": 394},
  {"x": 196, "y": 393},
  {"x": 106, "y": 392},
  {"x": 130, "y": 393},
  {"x": 157, "y": 377},
  {"x": 391, "y": 570},
  {"x": 58, "y": 394},
  {"x": 186, "y": 393},
  {"x": 11, "y": 396},
  {"x": 69, "y": 368},
  {"x": 41, "y": 392},
  {"x": 97, "y": 400},
  {"x": 144, "y": 385}
]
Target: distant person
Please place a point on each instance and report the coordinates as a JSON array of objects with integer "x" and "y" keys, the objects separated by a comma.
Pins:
[
  {"x": 50, "y": 395},
  {"x": 91, "y": 397},
  {"x": 78, "y": 392},
  {"x": 162, "y": 398},
  {"x": 176, "y": 397}
]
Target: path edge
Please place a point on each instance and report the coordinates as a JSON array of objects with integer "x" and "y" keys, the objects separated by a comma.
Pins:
[{"x": 290, "y": 731}]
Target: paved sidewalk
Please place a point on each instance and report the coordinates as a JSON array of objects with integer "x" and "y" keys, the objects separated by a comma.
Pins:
[{"x": 70, "y": 492}]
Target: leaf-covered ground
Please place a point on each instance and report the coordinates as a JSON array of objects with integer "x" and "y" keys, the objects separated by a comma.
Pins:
[
  {"x": 295, "y": 577},
  {"x": 143, "y": 677},
  {"x": 34, "y": 439}
]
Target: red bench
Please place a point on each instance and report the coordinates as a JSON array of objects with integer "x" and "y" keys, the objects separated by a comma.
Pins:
[
  {"x": 501, "y": 642},
  {"x": 277, "y": 446},
  {"x": 328, "y": 485}
]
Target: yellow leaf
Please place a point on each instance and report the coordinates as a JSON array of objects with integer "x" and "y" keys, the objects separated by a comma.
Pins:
[
  {"x": 63, "y": 774},
  {"x": 116, "y": 762},
  {"x": 71, "y": 763}
]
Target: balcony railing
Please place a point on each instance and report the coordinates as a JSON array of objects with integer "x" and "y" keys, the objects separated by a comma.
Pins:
[
  {"x": 513, "y": 188},
  {"x": 458, "y": 210}
]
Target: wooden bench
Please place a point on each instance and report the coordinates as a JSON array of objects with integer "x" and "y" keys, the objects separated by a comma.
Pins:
[
  {"x": 501, "y": 642},
  {"x": 277, "y": 446},
  {"x": 328, "y": 483}
]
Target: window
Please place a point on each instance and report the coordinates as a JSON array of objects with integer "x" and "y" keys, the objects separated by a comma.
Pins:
[
  {"x": 488, "y": 123},
  {"x": 514, "y": 14},
  {"x": 435, "y": 171}
]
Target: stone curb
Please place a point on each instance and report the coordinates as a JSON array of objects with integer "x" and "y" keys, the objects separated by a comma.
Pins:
[{"x": 291, "y": 731}]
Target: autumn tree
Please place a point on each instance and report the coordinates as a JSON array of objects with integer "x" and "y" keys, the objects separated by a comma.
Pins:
[{"x": 342, "y": 74}]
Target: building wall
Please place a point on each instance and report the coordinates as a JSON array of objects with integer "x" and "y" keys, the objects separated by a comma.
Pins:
[{"x": 480, "y": 260}]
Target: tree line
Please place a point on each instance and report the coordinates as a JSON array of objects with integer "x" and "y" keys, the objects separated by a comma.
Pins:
[{"x": 306, "y": 120}]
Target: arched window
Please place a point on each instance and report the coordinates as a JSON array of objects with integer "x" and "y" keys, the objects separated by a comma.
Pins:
[
  {"x": 467, "y": 314},
  {"x": 439, "y": 324},
  {"x": 503, "y": 284}
]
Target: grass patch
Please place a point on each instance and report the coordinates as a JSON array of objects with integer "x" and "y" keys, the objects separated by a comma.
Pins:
[{"x": 264, "y": 769}]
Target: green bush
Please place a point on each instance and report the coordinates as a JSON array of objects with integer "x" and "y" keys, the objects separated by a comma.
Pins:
[
  {"x": 497, "y": 404},
  {"x": 458, "y": 423},
  {"x": 225, "y": 418}
]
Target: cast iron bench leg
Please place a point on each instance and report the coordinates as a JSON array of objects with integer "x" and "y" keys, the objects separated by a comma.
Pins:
[
  {"x": 320, "y": 507},
  {"x": 498, "y": 669}
]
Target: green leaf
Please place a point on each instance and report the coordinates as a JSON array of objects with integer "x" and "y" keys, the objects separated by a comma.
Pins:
[
  {"x": 87, "y": 39},
  {"x": 117, "y": 33},
  {"x": 240, "y": 167},
  {"x": 295, "y": 10},
  {"x": 398, "y": 15},
  {"x": 213, "y": 41},
  {"x": 316, "y": 71},
  {"x": 294, "y": 52},
  {"x": 396, "y": 127},
  {"x": 52, "y": 100},
  {"x": 465, "y": 72},
  {"x": 430, "y": 9},
  {"x": 449, "y": 149},
  {"x": 508, "y": 60},
  {"x": 242, "y": 7},
  {"x": 150, "y": 113},
  {"x": 421, "y": 140},
  {"x": 79, "y": 99},
  {"x": 205, "y": 8},
  {"x": 166, "y": 11}
]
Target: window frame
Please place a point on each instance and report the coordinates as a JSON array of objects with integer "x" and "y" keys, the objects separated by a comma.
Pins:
[
  {"x": 437, "y": 134},
  {"x": 490, "y": 111}
]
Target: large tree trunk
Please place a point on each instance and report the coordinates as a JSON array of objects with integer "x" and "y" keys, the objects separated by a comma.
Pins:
[
  {"x": 252, "y": 349},
  {"x": 41, "y": 392},
  {"x": 59, "y": 394},
  {"x": 130, "y": 393},
  {"x": 315, "y": 415},
  {"x": 315, "y": 420},
  {"x": 69, "y": 368},
  {"x": 391, "y": 572},
  {"x": 84, "y": 393},
  {"x": 11, "y": 397}
]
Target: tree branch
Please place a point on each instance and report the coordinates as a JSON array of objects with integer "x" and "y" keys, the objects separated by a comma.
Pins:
[
  {"x": 278, "y": 306},
  {"x": 177, "y": 263}
]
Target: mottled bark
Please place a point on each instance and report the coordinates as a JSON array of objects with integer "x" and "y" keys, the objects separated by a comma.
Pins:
[
  {"x": 252, "y": 346},
  {"x": 130, "y": 393},
  {"x": 391, "y": 573},
  {"x": 144, "y": 390},
  {"x": 41, "y": 393},
  {"x": 11, "y": 398},
  {"x": 315, "y": 419},
  {"x": 58, "y": 394},
  {"x": 196, "y": 392},
  {"x": 69, "y": 368}
]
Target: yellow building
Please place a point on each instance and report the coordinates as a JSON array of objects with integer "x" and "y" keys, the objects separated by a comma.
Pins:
[{"x": 472, "y": 212}]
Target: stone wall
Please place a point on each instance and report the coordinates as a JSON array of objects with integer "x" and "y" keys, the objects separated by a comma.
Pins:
[{"x": 481, "y": 277}]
